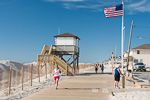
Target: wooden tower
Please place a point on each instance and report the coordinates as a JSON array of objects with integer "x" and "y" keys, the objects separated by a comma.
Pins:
[
  {"x": 65, "y": 44},
  {"x": 68, "y": 44}
]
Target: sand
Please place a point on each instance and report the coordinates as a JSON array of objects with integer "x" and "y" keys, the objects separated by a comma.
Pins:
[
  {"x": 134, "y": 95},
  {"x": 16, "y": 92}
]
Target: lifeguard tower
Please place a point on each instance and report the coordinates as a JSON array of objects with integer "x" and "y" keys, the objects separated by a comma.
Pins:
[{"x": 65, "y": 44}]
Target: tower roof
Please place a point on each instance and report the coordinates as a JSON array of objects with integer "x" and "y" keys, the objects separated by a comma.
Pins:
[{"x": 67, "y": 35}]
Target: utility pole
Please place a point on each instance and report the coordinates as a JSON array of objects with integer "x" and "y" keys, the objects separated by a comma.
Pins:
[{"x": 129, "y": 44}]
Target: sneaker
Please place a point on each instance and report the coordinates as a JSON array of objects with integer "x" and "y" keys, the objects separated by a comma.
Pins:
[
  {"x": 118, "y": 87},
  {"x": 56, "y": 88}
]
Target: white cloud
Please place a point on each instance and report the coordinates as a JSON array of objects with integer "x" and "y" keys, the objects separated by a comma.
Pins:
[
  {"x": 93, "y": 5},
  {"x": 140, "y": 6},
  {"x": 131, "y": 6},
  {"x": 70, "y": 6}
]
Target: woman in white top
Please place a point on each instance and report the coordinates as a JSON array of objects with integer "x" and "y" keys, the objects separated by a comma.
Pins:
[{"x": 56, "y": 73}]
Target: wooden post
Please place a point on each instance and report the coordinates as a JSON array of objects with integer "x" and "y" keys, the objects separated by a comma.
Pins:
[
  {"x": 40, "y": 68},
  {"x": 10, "y": 79},
  {"x": 49, "y": 68},
  {"x": 38, "y": 71},
  {"x": 78, "y": 64},
  {"x": 53, "y": 65},
  {"x": 73, "y": 70},
  {"x": 46, "y": 70},
  {"x": 112, "y": 64},
  {"x": 31, "y": 73},
  {"x": 66, "y": 69},
  {"x": 22, "y": 77},
  {"x": 49, "y": 63},
  {"x": 129, "y": 45},
  {"x": 123, "y": 81}
]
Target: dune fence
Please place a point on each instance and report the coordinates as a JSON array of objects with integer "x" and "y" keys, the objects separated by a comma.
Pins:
[
  {"x": 26, "y": 76},
  {"x": 16, "y": 80}
]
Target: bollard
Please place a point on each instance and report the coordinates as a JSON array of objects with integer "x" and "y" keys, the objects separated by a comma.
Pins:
[{"x": 123, "y": 81}]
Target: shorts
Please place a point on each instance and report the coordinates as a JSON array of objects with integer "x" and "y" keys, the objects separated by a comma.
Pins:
[
  {"x": 56, "y": 77},
  {"x": 96, "y": 69},
  {"x": 117, "y": 77}
]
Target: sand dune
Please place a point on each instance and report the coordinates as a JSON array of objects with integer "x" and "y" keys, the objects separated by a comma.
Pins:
[{"x": 5, "y": 65}]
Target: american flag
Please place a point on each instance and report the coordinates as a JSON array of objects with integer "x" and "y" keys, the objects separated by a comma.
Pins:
[{"x": 115, "y": 11}]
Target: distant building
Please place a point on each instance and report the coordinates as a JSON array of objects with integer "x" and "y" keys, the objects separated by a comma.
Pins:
[
  {"x": 115, "y": 60},
  {"x": 140, "y": 54}
]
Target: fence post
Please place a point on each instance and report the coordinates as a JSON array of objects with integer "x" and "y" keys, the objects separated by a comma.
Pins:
[
  {"x": 22, "y": 77},
  {"x": 31, "y": 73},
  {"x": 50, "y": 68},
  {"x": 46, "y": 70},
  {"x": 38, "y": 72},
  {"x": 10, "y": 79}
]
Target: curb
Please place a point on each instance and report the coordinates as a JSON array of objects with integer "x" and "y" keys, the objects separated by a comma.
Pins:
[{"x": 138, "y": 84}]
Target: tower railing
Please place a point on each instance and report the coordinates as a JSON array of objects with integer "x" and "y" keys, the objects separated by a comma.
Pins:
[{"x": 66, "y": 49}]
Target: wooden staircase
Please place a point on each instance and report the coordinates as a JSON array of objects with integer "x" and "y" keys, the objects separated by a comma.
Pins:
[
  {"x": 48, "y": 55},
  {"x": 62, "y": 65}
]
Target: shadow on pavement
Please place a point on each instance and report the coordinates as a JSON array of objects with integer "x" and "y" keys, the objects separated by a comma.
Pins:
[
  {"x": 87, "y": 74},
  {"x": 77, "y": 88}
]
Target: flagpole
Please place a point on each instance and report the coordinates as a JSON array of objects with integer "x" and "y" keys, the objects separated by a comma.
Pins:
[{"x": 122, "y": 35}]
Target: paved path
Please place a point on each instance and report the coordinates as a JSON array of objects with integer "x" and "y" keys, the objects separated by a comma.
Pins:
[{"x": 85, "y": 86}]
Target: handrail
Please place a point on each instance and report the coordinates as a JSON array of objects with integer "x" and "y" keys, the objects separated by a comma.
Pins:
[
  {"x": 43, "y": 50},
  {"x": 62, "y": 64},
  {"x": 50, "y": 50},
  {"x": 46, "y": 58}
]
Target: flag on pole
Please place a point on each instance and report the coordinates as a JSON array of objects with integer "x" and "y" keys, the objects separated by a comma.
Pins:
[{"x": 115, "y": 11}]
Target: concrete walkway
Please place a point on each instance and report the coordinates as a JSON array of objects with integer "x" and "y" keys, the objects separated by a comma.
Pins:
[{"x": 84, "y": 86}]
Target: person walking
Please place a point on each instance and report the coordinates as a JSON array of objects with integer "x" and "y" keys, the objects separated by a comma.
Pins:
[
  {"x": 117, "y": 76},
  {"x": 96, "y": 68},
  {"x": 102, "y": 68},
  {"x": 56, "y": 73}
]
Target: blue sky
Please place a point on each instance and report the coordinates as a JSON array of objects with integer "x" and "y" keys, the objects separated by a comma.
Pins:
[{"x": 26, "y": 25}]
